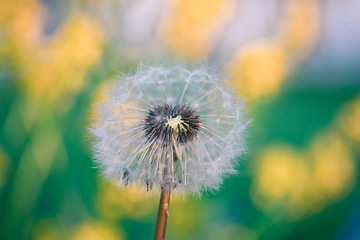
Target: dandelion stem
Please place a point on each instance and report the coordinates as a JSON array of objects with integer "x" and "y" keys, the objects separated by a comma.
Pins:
[{"x": 163, "y": 214}]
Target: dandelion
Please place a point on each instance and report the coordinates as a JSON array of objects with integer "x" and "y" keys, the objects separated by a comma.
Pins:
[{"x": 169, "y": 129}]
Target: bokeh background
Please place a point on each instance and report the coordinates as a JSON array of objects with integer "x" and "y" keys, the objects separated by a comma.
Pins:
[{"x": 297, "y": 62}]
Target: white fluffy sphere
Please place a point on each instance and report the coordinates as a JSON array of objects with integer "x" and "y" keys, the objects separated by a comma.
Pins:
[{"x": 167, "y": 125}]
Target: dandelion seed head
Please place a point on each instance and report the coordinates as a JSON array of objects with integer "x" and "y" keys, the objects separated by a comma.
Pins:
[{"x": 168, "y": 125}]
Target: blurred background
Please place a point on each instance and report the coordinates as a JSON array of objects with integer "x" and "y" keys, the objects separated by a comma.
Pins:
[{"x": 297, "y": 63}]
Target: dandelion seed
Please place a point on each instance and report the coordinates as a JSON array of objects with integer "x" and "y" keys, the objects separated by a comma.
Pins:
[
  {"x": 169, "y": 129},
  {"x": 167, "y": 126}
]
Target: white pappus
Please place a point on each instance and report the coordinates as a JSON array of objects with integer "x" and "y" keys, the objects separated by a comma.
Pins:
[{"x": 169, "y": 125}]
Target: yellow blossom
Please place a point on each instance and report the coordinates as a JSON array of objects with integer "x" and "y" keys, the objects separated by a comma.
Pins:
[
  {"x": 129, "y": 201},
  {"x": 334, "y": 166},
  {"x": 258, "y": 68},
  {"x": 95, "y": 231},
  {"x": 21, "y": 20},
  {"x": 191, "y": 27},
  {"x": 349, "y": 119},
  {"x": 299, "y": 27},
  {"x": 304, "y": 182},
  {"x": 59, "y": 67}
]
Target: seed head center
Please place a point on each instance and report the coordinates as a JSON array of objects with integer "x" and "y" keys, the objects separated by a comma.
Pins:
[
  {"x": 171, "y": 125},
  {"x": 174, "y": 122}
]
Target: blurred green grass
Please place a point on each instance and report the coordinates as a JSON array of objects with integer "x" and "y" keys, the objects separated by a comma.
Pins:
[
  {"x": 299, "y": 179},
  {"x": 67, "y": 193}
]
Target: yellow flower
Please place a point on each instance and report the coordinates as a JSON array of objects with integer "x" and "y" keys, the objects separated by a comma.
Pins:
[
  {"x": 59, "y": 67},
  {"x": 349, "y": 120},
  {"x": 334, "y": 166},
  {"x": 258, "y": 69},
  {"x": 282, "y": 175},
  {"x": 304, "y": 182},
  {"x": 21, "y": 20},
  {"x": 191, "y": 27},
  {"x": 299, "y": 27},
  {"x": 129, "y": 202},
  {"x": 95, "y": 231}
]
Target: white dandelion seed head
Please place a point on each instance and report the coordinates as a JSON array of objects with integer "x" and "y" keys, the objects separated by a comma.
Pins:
[{"x": 168, "y": 125}]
